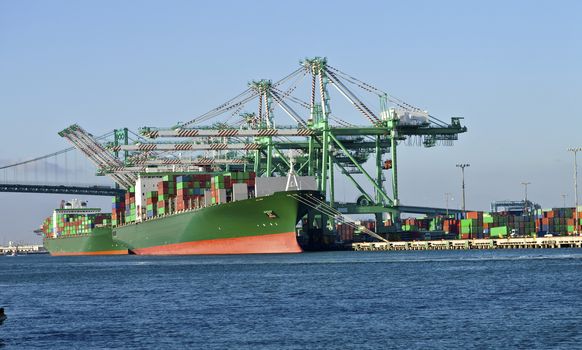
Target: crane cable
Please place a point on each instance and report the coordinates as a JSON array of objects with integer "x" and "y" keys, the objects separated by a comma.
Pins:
[
  {"x": 397, "y": 101},
  {"x": 289, "y": 76},
  {"x": 294, "y": 99},
  {"x": 52, "y": 154},
  {"x": 356, "y": 102},
  {"x": 216, "y": 112},
  {"x": 292, "y": 87},
  {"x": 223, "y": 107}
]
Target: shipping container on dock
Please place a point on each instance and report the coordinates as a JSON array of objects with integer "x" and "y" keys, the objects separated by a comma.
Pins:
[
  {"x": 345, "y": 232},
  {"x": 485, "y": 225}
]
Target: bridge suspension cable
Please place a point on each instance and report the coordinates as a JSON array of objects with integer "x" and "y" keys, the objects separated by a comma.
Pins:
[{"x": 54, "y": 154}]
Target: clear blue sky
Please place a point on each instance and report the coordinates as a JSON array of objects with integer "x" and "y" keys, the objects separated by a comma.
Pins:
[{"x": 511, "y": 68}]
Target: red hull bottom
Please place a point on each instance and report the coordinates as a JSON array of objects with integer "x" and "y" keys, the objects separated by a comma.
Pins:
[
  {"x": 103, "y": 252},
  {"x": 266, "y": 244}
]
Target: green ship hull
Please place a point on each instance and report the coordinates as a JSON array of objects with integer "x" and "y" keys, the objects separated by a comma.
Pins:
[
  {"x": 252, "y": 226},
  {"x": 98, "y": 242}
]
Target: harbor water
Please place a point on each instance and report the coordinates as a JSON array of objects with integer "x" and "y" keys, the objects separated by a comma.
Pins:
[{"x": 526, "y": 299}]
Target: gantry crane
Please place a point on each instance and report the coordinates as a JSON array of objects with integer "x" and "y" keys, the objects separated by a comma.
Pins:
[{"x": 324, "y": 144}]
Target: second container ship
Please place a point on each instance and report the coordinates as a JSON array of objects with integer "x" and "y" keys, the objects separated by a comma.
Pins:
[{"x": 75, "y": 229}]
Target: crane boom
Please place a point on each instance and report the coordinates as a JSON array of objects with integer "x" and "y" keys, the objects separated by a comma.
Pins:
[
  {"x": 193, "y": 162},
  {"x": 188, "y": 132},
  {"x": 85, "y": 143},
  {"x": 148, "y": 147}
]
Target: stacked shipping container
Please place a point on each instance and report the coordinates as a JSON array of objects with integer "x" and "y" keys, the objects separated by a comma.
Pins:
[
  {"x": 73, "y": 223},
  {"x": 166, "y": 194},
  {"x": 130, "y": 205},
  {"x": 151, "y": 204},
  {"x": 556, "y": 221},
  {"x": 190, "y": 190},
  {"x": 117, "y": 210},
  {"x": 347, "y": 232},
  {"x": 183, "y": 192},
  {"x": 560, "y": 220}
]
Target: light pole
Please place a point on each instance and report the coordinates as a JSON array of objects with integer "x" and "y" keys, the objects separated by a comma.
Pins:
[
  {"x": 447, "y": 196},
  {"x": 525, "y": 206},
  {"x": 463, "y": 166},
  {"x": 575, "y": 150}
]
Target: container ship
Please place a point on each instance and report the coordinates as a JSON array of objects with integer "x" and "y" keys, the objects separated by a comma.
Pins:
[
  {"x": 178, "y": 214},
  {"x": 206, "y": 213},
  {"x": 75, "y": 229}
]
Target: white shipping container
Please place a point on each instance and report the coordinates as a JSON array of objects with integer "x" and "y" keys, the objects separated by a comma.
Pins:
[
  {"x": 240, "y": 192},
  {"x": 222, "y": 195},
  {"x": 207, "y": 198},
  {"x": 142, "y": 186}
]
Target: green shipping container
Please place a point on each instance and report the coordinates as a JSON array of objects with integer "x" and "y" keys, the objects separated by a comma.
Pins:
[{"x": 498, "y": 231}]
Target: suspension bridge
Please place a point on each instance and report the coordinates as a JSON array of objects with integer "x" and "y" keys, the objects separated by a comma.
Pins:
[{"x": 63, "y": 172}]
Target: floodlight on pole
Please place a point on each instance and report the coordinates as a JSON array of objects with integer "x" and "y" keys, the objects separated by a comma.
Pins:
[
  {"x": 575, "y": 150},
  {"x": 525, "y": 205},
  {"x": 447, "y": 197},
  {"x": 463, "y": 166}
]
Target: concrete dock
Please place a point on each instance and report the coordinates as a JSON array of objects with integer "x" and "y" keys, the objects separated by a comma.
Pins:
[{"x": 464, "y": 244}]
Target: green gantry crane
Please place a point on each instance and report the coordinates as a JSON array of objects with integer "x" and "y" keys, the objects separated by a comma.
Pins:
[{"x": 322, "y": 144}]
